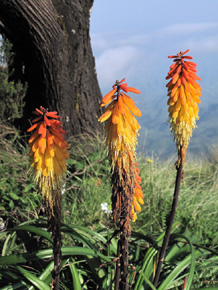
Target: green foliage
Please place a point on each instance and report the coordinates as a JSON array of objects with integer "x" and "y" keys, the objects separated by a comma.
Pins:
[
  {"x": 197, "y": 198},
  {"x": 11, "y": 94},
  {"x": 87, "y": 186},
  {"x": 87, "y": 181},
  {"x": 89, "y": 261},
  {"x": 18, "y": 198}
]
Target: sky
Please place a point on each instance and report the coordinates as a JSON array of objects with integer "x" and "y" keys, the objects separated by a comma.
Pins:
[
  {"x": 132, "y": 39},
  {"x": 135, "y": 37}
]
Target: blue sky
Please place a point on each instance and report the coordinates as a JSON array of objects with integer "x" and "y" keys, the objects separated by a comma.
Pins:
[{"x": 132, "y": 39}]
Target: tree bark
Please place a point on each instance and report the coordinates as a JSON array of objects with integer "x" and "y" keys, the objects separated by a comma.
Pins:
[{"x": 53, "y": 55}]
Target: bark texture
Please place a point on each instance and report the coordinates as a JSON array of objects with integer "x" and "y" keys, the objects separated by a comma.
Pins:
[{"x": 54, "y": 56}]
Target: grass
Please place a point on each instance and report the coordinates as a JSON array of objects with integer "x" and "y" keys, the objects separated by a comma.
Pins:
[
  {"x": 197, "y": 202},
  {"x": 88, "y": 186}
]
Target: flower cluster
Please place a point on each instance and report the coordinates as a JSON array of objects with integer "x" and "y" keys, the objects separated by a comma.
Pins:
[
  {"x": 184, "y": 93},
  {"x": 138, "y": 195},
  {"x": 122, "y": 129},
  {"x": 48, "y": 152},
  {"x": 104, "y": 208}
]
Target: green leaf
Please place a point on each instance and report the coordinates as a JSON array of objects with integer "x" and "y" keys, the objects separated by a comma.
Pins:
[
  {"x": 33, "y": 229},
  {"x": 14, "y": 196},
  {"x": 148, "y": 282},
  {"x": 28, "y": 187},
  {"x": 33, "y": 279},
  {"x": 75, "y": 277},
  {"x": 11, "y": 204},
  {"x": 16, "y": 286},
  {"x": 48, "y": 253},
  {"x": 208, "y": 288}
]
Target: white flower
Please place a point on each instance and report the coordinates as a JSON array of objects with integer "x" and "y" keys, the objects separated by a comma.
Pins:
[
  {"x": 2, "y": 224},
  {"x": 104, "y": 208}
]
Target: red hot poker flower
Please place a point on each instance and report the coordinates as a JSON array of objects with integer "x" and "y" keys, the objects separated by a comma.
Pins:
[{"x": 48, "y": 152}]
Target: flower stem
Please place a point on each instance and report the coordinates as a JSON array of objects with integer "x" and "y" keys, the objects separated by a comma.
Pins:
[
  {"x": 55, "y": 222},
  {"x": 170, "y": 223},
  {"x": 124, "y": 261}
]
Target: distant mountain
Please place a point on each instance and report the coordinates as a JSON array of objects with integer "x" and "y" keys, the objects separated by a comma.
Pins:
[{"x": 155, "y": 136}]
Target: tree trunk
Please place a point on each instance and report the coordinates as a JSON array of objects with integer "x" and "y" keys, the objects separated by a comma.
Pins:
[{"x": 53, "y": 55}]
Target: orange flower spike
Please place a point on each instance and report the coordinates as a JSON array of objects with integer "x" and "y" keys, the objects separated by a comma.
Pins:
[
  {"x": 132, "y": 107},
  {"x": 138, "y": 195},
  {"x": 39, "y": 112},
  {"x": 33, "y": 137},
  {"x": 37, "y": 119},
  {"x": 122, "y": 130},
  {"x": 47, "y": 121},
  {"x": 57, "y": 134},
  {"x": 49, "y": 138},
  {"x": 48, "y": 159},
  {"x": 52, "y": 115},
  {"x": 185, "y": 93},
  {"x": 32, "y": 127},
  {"x": 133, "y": 90},
  {"x": 124, "y": 87},
  {"x": 108, "y": 97},
  {"x": 42, "y": 129},
  {"x": 116, "y": 114},
  {"x": 105, "y": 116},
  {"x": 121, "y": 105}
]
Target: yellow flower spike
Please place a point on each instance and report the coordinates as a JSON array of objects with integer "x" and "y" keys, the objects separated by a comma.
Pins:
[
  {"x": 122, "y": 131},
  {"x": 184, "y": 94},
  {"x": 48, "y": 153}
]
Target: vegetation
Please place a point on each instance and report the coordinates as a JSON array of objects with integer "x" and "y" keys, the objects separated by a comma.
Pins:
[
  {"x": 88, "y": 228},
  {"x": 89, "y": 240}
]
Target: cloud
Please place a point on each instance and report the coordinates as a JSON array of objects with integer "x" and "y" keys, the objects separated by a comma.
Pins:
[
  {"x": 204, "y": 45},
  {"x": 116, "y": 62},
  {"x": 142, "y": 58},
  {"x": 188, "y": 28}
]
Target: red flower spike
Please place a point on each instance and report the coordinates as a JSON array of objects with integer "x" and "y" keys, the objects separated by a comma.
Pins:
[
  {"x": 186, "y": 66},
  {"x": 173, "y": 65},
  {"x": 124, "y": 87},
  {"x": 123, "y": 80},
  {"x": 39, "y": 111},
  {"x": 133, "y": 90},
  {"x": 57, "y": 134},
  {"x": 53, "y": 116},
  {"x": 185, "y": 74},
  {"x": 183, "y": 93},
  {"x": 186, "y": 51},
  {"x": 47, "y": 121},
  {"x": 32, "y": 127},
  {"x": 61, "y": 131},
  {"x": 191, "y": 63},
  {"x": 187, "y": 57},
  {"x": 37, "y": 119},
  {"x": 51, "y": 113},
  {"x": 50, "y": 139},
  {"x": 36, "y": 113},
  {"x": 172, "y": 56},
  {"x": 48, "y": 159},
  {"x": 42, "y": 127},
  {"x": 121, "y": 105},
  {"x": 108, "y": 96}
]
